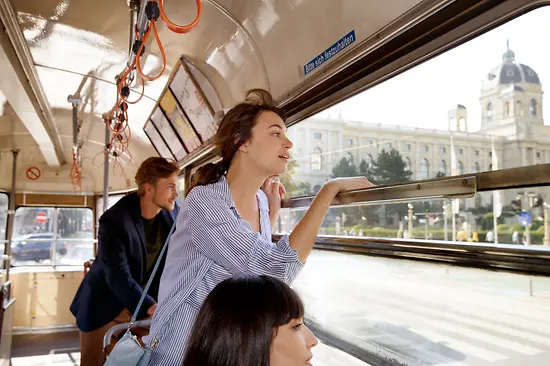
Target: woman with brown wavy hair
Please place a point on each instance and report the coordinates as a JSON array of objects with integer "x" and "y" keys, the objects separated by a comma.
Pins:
[{"x": 224, "y": 225}]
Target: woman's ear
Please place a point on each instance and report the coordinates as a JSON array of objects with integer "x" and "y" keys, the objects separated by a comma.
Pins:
[{"x": 244, "y": 147}]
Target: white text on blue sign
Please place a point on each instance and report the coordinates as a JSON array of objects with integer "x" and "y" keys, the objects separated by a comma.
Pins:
[{"x": 330, "y": 52}]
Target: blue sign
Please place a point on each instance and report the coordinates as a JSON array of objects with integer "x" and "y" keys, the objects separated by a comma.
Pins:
[
  {"x": 525, "y": 218},
  {"x": 330, "y": 52}
]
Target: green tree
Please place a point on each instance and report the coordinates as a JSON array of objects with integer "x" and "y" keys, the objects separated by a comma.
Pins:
[
  {"x": 354, "y": 215},
  {"x": 295, "y": 188},
  {"x": 364, "y": 168},
  {"x": 287, "y": 179},
  {"x": 390, "y": 168},
  {"x": 304, "y": 189},
  {"x": 344, "y": 168}
]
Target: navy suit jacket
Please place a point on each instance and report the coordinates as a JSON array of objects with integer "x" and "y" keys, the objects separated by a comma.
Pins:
[{"x": 118, "y": 273}]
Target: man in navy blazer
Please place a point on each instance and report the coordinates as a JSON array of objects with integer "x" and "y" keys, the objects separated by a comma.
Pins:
[{"x": 131, "y": 235}]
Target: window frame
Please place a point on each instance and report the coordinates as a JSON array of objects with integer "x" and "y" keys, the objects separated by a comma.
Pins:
[{"x": 55, "y": 231}]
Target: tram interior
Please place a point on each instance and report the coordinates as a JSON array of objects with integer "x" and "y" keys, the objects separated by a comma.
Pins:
[{"x": 439, "y": 102}]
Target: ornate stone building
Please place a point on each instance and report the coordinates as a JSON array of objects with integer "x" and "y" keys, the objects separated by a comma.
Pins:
[{"x": 511, "y": 104}]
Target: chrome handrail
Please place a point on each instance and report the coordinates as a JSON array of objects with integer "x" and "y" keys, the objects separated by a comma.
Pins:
[
  {"x": 38, "y": 240},
  {"x": 122, "y": 326},
  {"x": 459, "y": 186}
]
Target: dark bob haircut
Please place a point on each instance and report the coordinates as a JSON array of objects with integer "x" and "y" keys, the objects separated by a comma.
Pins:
[{"x": 238, "y": 321}]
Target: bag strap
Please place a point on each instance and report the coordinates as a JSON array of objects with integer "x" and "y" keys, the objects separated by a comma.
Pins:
[{"x": 152, "y": 275}]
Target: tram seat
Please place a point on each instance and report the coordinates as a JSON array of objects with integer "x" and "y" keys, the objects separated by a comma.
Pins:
[{"x": 140, "y": 329}]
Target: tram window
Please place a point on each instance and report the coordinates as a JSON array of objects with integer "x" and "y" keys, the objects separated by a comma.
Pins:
[
  {"x": 3, "y": 215},
  {"x": 75, "y": 233},
  {"x": 473, "y": 220},
  {"x": 32, "y": 236},
  {"x": 471, "y": 82},
  {"x": 113, "y": 198},
  {"x": 41, "y": 232}
]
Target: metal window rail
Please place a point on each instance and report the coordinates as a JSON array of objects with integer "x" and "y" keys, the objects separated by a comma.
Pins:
[
  {"x": 53, "y": 248},
  {"x": 459, "y": 186},
  {"x": 503, "y": 257}
]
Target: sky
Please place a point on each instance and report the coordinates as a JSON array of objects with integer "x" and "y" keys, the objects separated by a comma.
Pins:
[{"x": 422, "y": 96}]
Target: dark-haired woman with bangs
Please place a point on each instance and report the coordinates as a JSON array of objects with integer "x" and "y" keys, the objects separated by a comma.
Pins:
[
  {"x": 250, "y": 320},
  {"x": 224, "y": 226}
]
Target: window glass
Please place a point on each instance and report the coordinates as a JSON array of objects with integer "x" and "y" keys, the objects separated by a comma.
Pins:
[
  {"x": 437, "y": 314},
  {"x": 33, "y": 234},
  {"x": 113, "y": 199},
  {"x": 39, "y": 233},
  {"x": 475, "y": 103},
  {"x": 75, "y": 235}
]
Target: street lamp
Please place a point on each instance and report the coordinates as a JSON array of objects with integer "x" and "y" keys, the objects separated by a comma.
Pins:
[{"x": 546, "y": 240}]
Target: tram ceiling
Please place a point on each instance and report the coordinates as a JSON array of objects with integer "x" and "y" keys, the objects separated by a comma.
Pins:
[{"x": 23, "y": 91}]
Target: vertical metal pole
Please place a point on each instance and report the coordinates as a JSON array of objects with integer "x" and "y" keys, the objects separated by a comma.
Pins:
[
  {"x": 106, "y": 169},
  {"x": 546, "y": 224},
  {"x": 453, "y": 220},
  {"x": 54, "y": 241},
  {"x": 75, "y": 126},
  {"x": 426, "y": 227},
  {"x": 105, "y": 175},
  {"x": 495, "y": 224},
  {"x": 134, "y": 12},
  {"x": 11, "y": 212},
  {"x": 445, "y": 209},
  {"x": 411, "y": 236}
]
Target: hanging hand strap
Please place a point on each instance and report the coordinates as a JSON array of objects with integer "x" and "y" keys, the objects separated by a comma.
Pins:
[{"x": 152, "y": 275}]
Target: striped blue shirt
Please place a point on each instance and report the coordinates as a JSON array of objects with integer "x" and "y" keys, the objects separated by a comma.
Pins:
[{"x": 212, "y": 242}]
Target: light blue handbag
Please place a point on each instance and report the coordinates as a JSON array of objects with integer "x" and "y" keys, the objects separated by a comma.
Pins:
[{"x": 128, "y": 351}]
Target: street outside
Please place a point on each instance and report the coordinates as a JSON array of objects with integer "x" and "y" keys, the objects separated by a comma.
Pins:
[{"x": 430, "y": 314}]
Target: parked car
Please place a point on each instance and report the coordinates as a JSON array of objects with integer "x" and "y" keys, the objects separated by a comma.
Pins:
[{"x": 36, "y": 247}]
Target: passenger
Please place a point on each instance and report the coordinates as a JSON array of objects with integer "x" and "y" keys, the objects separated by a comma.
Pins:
[
  {"x": 250, "y": 320},
  {"x": 131, "y": 235},
  {"x": 224, "y": 228}
]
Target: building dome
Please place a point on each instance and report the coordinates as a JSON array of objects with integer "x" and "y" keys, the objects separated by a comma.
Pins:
[{"x": 510, "y": 72}]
